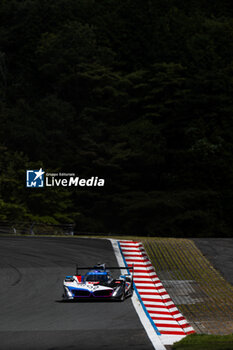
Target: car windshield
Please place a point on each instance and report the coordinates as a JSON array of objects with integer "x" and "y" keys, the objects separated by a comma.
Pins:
[{"x": 96, "y": 278}]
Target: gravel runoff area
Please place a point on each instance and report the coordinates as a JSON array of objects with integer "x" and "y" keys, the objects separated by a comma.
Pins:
[{"x": 192, "y": 272}]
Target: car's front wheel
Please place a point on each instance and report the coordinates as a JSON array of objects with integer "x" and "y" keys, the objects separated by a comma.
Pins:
[{"x": 122, "y": 297}]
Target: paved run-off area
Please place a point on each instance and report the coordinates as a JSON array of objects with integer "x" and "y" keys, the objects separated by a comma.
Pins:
[{"x": 199, "y": 290}]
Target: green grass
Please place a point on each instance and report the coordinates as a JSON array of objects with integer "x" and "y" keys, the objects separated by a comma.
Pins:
[{"x": 205, "y": 342}]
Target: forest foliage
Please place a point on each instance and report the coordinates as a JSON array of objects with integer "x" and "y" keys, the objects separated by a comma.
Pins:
[{"x": 136, "y": 92}]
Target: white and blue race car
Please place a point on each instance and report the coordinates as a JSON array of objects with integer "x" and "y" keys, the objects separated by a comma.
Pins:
[{"x": 98, "y": 283}]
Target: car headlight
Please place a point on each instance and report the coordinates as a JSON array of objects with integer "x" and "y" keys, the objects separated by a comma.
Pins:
[
  {"x": 68, "y": 292},
  {"x": 116, "y": 291}
]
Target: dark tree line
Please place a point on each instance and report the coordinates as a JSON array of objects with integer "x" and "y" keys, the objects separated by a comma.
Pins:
[{"x": 137, "y": 92}]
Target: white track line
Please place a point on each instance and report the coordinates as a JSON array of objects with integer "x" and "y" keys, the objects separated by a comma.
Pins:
[{"x": 153, "y": 336}]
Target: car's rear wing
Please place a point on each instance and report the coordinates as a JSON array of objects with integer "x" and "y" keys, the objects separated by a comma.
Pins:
[{"x": 104, "y": 267}]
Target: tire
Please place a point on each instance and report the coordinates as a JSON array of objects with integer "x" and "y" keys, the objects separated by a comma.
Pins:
[
  {"x": 132, "y": 288},
  {"x": 122, "y": 297}
]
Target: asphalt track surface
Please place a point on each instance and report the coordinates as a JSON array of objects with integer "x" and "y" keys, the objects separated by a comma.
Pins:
[
  {"x": 219, "y": 251},
  {"x": 32, "y": 314}
]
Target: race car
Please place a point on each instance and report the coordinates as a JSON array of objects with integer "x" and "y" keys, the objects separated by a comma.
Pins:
[{"x": 98, "y": 283}]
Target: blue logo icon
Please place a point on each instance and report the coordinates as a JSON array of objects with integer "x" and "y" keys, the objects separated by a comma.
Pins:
[{"x": 35, "y": 178}]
